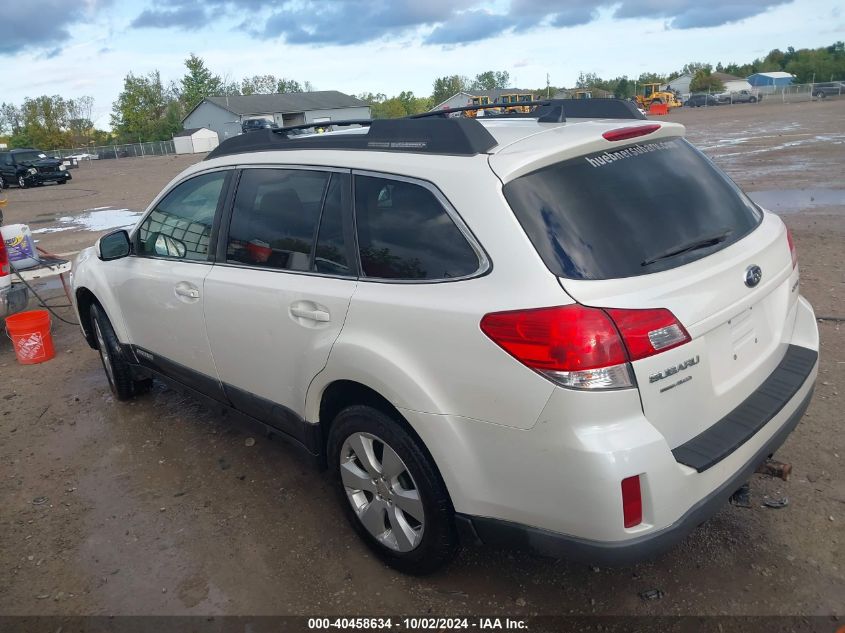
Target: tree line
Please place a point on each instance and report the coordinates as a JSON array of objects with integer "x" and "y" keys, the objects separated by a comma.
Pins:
[{"x": 149, "y": 109}]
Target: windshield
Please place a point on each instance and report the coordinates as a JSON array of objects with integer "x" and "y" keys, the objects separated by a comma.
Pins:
[
  {"x": 628, "y": 212},
  {"x": 27, "y": 157}
]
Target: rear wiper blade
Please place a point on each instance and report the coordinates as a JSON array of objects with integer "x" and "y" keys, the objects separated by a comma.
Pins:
[{"x": 709, "y": 240}]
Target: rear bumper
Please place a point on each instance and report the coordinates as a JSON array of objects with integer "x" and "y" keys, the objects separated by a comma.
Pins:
[
  {"x": 555, "y": 487},
  {"x": 483, "y": 530},
  {"x": 13, "y": 299}
]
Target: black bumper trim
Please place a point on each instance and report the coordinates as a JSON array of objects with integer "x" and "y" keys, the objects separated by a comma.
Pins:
[
  {"x": 482, "y": 530},
  {"x": 732, "y": 431}
]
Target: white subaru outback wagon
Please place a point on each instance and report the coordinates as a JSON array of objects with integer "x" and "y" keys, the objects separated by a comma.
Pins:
[{"x": 565, "y": 330}]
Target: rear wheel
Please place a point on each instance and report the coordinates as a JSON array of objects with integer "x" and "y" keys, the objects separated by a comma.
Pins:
[
  {"x": 820, "y": 94},
  {"x": 118, "y": 372},
  {"x": 391, "y": 491},
  {"x": 753, "y": 100}
]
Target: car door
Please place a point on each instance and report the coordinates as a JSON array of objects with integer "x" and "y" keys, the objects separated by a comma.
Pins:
[
  {"x": 278, "y": 295},
  {"x": 160, "y": 287},
  {"x": 7, "y": 168}
]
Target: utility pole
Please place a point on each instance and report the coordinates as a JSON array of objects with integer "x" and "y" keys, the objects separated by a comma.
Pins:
[{"x": 548, "y": 87}]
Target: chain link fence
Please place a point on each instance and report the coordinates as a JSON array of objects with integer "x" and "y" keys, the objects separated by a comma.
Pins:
[
  {"x": 803, "y": 92},
  {"x": 768, "y": 94},
  {"x": 104, "y": 152}
]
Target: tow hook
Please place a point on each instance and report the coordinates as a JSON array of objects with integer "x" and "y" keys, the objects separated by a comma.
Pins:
[{"x": 774, "y": 468}]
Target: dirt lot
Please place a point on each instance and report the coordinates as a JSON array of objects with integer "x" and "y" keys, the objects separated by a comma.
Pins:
[{"x": 159, "y": 507}]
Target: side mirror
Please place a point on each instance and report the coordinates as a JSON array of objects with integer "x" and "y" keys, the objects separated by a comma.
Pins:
[
  {"x": 115, "y": 245},
  {"x": 166, "y": 246}
]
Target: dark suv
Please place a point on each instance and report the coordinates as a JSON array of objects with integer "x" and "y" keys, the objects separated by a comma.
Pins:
[
  {"x": 249, "y": 125},
  {"x": 28, "y": 167},
  {"x": 701, "y": 99},
  {"x": 828, "y": 89}
]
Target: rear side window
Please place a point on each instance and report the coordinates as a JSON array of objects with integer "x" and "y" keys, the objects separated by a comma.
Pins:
[
  {"x": 628, "y": 212},
  {"x": 275, "y": 217},
  {"x": 404, "y": 232}
]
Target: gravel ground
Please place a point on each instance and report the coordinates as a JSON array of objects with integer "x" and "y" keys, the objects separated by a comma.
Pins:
[{"x": 159, "y": 507}]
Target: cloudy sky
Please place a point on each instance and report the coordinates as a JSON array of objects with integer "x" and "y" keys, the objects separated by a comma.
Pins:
[{"x": 79, "y": 47}]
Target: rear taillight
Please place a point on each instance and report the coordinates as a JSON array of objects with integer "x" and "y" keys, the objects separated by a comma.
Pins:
[
  {"x": 4, "y": 258},
  {"x": 648, "y": 332},
  {"x": 585, "y": 348},
  {"x": 624, "y": 133},
  {"x": 792, "y": 250},
  {"x": 632, "y": 501}
]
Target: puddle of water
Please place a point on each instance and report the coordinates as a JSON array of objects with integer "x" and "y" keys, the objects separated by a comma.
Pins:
[
  {"x": 96, "y": 219},
  {"x": 795, "y": 200}
]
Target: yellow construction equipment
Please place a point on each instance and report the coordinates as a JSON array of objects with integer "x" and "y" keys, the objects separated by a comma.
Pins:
[
  {"x": 509, "y": 102},
  {"x": 513, "y": 102},
  {"x": 653, "y": 94}
]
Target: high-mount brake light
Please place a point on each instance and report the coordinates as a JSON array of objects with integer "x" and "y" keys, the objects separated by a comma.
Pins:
[
  {"x": 624, "y": 133},
  {"x": 792, "y": 250},
  {"x": 581, "y": 347}
]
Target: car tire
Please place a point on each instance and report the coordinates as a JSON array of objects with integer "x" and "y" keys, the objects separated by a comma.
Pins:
[
  {"x": 820, "y": 95},
  {"x": 62, "y": 182},
  {"x": 752, "y": 100},
  {"x": 122, "y": 383},
  {"x": 21, "y": 182},
  {"x": 370, "y": 449}
]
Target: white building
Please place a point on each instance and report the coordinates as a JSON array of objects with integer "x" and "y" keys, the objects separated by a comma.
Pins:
[
  {"x": 681, "y": 84},
  {"x": 224, "y": 115},
  {"x": 195, "y": 140},
  {"x": 733, "y": 84}
]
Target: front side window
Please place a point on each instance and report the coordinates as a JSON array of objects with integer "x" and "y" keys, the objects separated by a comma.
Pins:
[
  {"x": 180, "y": 225},
  {"x": 275, "y": 217},
  {"x": 404, "y": 232}
]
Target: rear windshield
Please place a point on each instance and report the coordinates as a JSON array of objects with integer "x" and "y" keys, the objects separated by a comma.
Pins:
[{"x": 638, "y": 210}]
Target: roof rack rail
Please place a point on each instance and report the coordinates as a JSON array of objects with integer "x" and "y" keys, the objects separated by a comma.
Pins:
[
  {"x": 550, "y": 110},
  {"x": 470, "y": 108},
  {"x": 435, "y": 132},
  {"x": 448, "y": 136},
  {"x": 313, "y": 126}
]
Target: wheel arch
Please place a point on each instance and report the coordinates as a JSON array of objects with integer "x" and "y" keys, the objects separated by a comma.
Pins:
[
  {"x": 344, "y": 393},
  {"x": 84, "y": 300},
  {"x": 340, "y": 394}
]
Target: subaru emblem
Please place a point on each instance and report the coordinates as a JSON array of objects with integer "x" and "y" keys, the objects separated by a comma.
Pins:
[{"x": 753, "y": 275}]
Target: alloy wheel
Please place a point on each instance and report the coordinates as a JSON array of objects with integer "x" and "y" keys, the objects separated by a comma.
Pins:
[{"x": 382, "y": 492}]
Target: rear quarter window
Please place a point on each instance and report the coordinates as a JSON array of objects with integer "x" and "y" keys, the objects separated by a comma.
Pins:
[{"x": 618, "y": 213}]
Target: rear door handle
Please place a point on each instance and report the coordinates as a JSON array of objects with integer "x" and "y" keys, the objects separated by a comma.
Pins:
[{"x": 321, "y": 316}]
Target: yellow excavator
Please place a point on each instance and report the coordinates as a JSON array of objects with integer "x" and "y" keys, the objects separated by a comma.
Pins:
[{"x": 653, "y": 94}]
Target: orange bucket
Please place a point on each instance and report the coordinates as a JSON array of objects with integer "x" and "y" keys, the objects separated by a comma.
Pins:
[{"x": 30, "y": 334}]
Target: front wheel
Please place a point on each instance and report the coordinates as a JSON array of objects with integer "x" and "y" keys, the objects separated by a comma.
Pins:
[
  {"x": 391, "y": 491},
  {"x": 753, "y": 100},
  {"x": 820, "y": 95},
  {"x": 118, "y": 372},
  {"x": 21, "y": 182}
]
